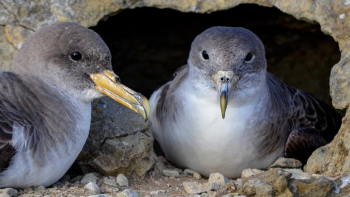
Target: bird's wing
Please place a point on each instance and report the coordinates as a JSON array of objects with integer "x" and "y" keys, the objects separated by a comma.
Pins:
[
  {"x": 15, "y": 118},
  {"x": 311, "y": 122},
  {"x": 162, "y": 100}
]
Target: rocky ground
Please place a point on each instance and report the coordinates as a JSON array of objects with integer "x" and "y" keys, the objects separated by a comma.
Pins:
[{"x": 283, "y": 178}]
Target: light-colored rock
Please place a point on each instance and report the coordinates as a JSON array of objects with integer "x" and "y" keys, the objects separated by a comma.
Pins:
[
  {"x": 5, "y": 195},
  {"x": 111, "y": 181},
  {"x": 119, "y": 141},
  {"x": 171, "y": 173},
  {"x": 288, "y": 182},
  {"x": 122, "y": 180},
  {"x": 39, "y": 188},
  {"x": 197, "y": 176},
  {"x": 127, "y": 193},
  {"x": 159, "y": 166},
  {"x": 21, "y": 18},
  {"x": 193, "y": 187},
  {"x": 286, "y": 163},
  {"x": 93, "y": 187},
  {"x": 189, "y": 172},
  {"x": 9, "y": 191},
  {"x": 218, "y": 179},
  {"x": 76, "y": 179},
  {"x": 250, "y": 172},
  {"x": 87, "y": 178}
]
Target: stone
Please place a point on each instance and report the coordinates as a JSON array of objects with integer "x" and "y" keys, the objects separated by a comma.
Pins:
[
  {"x": 19, "y": 19},
  {"x": 92, "y": 187},
  {"x": 286, "y": 182},
  {"x": 197, "y": 176},
  {"x": 87, "y": 178},
  {"x": 120, "y": 141},
  {"x": 189, "y": 172},
  {"x": 193, "y": 187},
  {"x": 122, "y": 180},
  {"x": 5, "y": 195},
  {"x": 171, "y": 173},
  {"x": 127, "y": 193},
  {"x": 218, "y": 178},
  {"x": 39, "y": 189},
  {"x": 9, "y": 191},
  {"x": 159, "y": 166},
  {"x": 110, "y": 181},
  {"x": 250, "y": 172},
  {"x": 76, "y": 179},
  {"x": 286, "y": 163}
]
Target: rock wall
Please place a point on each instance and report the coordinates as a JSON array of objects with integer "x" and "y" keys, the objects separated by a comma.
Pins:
[{"x": 19, "y": 18}]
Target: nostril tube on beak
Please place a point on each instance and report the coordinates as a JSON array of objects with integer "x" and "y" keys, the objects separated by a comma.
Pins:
[{"x": 225, "y": 79}]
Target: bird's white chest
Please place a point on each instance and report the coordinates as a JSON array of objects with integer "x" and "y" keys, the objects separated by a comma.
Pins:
[
  {"x": 200, "y": 139},
  {"x": 24, "y": 172}
]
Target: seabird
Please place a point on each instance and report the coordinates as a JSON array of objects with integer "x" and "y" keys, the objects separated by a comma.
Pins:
[
  {"x": 45, "y": 102},
  {"x": 223, "y": 112}
]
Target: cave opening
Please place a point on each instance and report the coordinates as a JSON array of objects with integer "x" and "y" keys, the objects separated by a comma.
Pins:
[{"x": 149, "y": 44}]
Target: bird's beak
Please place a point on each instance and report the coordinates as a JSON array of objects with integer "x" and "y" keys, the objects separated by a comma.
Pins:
[
  {"x": 224, "y": 81},
  {"x": 107, "y": 83}
]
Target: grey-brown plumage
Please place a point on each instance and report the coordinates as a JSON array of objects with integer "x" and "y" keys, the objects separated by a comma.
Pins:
[
  {"x": 261, "y": 117},
  {"x": 45, "y": 102}
]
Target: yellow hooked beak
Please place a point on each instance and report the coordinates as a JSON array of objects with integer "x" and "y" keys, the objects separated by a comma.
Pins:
[{"x": 106, "y": 83}]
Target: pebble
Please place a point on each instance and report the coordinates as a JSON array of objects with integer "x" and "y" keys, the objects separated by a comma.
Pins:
[
  {"x": 162, "y": 159},
  {"x": 5, "y": 195},
  {"x": 92, "y": 187},
  {"x": 39, "y": 188},
  {"x": 189, "y": 172},
  {"x": 250, "y": 172},
  {"x": 127, "y": 193},
  {"x": 87, "y": 178},
  {"x": 9, "y": 191},
  {"x": 171, "y": 173},
  {"x": 76, "y": 179},
  {"x": 218, "y": 178},
  {"x": 122, "y": 180},
  {"x": 160, "y": 166},
  {"x": 197, "y": 176},
  {"x": 178, "y": 170},
  {"x": 110, "y": 181},
  {"x": 156, "y": 192},
  {"x": 286, "y": 163}
]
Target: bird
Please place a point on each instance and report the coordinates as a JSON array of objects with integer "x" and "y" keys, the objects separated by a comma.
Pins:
[
  {"x": 224, "y": 112},
  {"x": 45, "y": 102}
]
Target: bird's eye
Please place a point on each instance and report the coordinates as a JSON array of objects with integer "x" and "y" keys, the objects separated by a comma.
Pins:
[
  {"x": 248, "y": 58},
  {"x": 76, "y": 56},
  {"x": 205, "y": 55}
]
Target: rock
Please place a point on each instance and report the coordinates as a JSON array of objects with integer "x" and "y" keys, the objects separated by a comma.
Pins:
[
  {"x": 218, "y": 179},
  {"x": 159, "y": 166},
  {"x": 18, "y": 19},
  {"x": 171, "y": 173},
  {"x": 122, "y": 180},
  {"x": 92, "y": 187},
  {"x": 197, "y": 176},
  {"x": 189, "y": 172},
  {"x": 87, "y": 178},
  {"x": 127, "y": 193},
  {"x": 286, "y": 163},
  {"x": 193, "y": 187},
  {"x": 9, "y": 191},
  {"x": 156, "y": 192},
  {"x": 39, "y": 189},
  {"x": 120, "y": 141},
  {"x": 250, "y": 172},
  {"x": 162, "y": 159},
  {"x": 178, "y": 170},
  {"x": 110, "y": 181},
  {"x": 291, "y": 182},
  {"x": 76, "y": 179},
  {"x": 5, "y": 195}
]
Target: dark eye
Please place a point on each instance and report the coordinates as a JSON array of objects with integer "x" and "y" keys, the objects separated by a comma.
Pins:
[
  {"x": 248, "y": 58},
  {"x": 76, "y": 56},
  {"x": 205, "y": 55}
]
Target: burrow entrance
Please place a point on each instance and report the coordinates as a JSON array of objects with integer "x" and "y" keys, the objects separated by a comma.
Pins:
[{"x": 149, "y": 44}]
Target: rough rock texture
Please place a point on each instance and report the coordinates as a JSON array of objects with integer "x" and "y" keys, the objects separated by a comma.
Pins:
[
  {"x": 119, "y": 141},
  {"x": 19, "y": 18}
]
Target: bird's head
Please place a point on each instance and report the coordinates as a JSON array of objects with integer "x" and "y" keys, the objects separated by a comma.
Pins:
[
  {"x": 231, "y": 60},
  {"x": 76, "y": 60}
]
